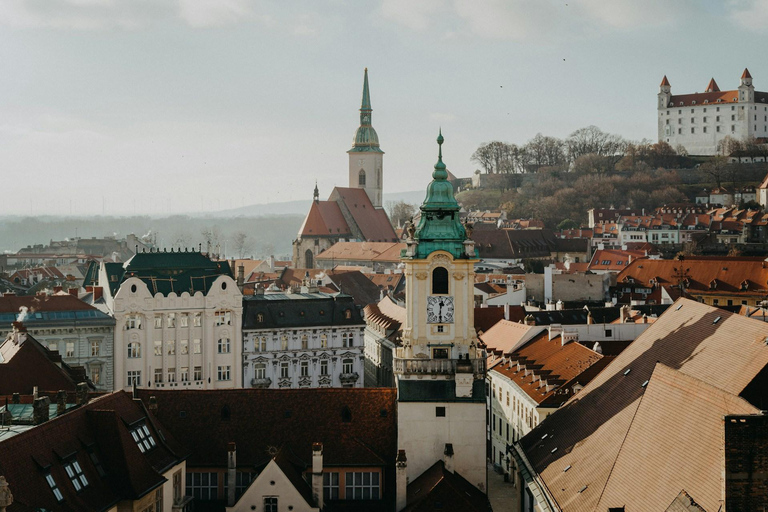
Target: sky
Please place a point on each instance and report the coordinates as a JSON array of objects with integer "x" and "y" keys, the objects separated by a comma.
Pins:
[{"x": 160, "y": 107}]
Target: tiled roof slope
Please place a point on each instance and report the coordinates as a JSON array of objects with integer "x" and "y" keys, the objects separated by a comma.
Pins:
[
  {"x": 386, "y": 252},
  {"x": 684, "y": 503},
  {"x": 505, "y": 336},
  {"x": 282, "y": 311},
  {"x": 682, "y": 419},
  {"x": 101, "y": 427},
  {"x": 258, "y": 419},
  {"x": 12, "y": 303},
  {"x": 373, "y": 223},
  {"x": 437, "y": 488},
  {"x": 704, "y": 274},
  {"x": 589, "y": 430},
  {"x": 325, "y": 219}
]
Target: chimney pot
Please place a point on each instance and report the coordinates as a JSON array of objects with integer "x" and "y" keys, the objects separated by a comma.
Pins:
[
  {"x": 61, "y": 402},
  {"x": 82, "y": 393},
  {"x": 40, "y": 410},
  {"x": 317, "y": 473}
]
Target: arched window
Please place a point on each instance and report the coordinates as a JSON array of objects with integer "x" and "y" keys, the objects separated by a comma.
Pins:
[
  {"x": 309, "y": 259},
  {"x": 304, "y": 342},
  {"x": 134, "y": 350},
  {"x": 440, "y": 280},
  {"x": 361, "y": 178}
]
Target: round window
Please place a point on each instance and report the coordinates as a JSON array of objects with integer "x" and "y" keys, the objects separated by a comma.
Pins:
[
  {"x": 133, "y": 288},
  {"x": 223, "y": 286}
]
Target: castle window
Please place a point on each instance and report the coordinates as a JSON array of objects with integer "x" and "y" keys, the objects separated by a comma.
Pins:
[
  {"x": 361, "y": 178},
  {"x": 439, "y": 281}
]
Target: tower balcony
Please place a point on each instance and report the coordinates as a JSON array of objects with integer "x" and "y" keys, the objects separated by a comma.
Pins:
[{"x": 422, "y": 366}]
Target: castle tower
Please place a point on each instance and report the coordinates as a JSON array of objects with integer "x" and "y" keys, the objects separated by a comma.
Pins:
[
  {"x": 439, "y": 369},
  {"x": 665, "y": 93},
  {"x": 366, "y": 157},
  {"x": 746, "y": 89}
]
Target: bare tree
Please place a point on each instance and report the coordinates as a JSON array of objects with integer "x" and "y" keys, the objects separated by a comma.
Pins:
[
  {"x": 593, "y": 140},
  {"x": 545, "y": 151},
  {"x": 400, "y": 211},
  {"x": 498, "y": 157},
  {"x": 718, "y": 169},
  {"x": 242, "y": 244}
]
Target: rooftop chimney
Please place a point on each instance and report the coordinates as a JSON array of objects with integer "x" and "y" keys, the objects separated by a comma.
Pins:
[
  {"x": 401, "y": 481},
  {"x": 153, "y": 404},
  {"x": 231, "y": 473},
  {"x": 72, "y": 291},
  {"x": 448, "y": 457},
  {"x": 61, "y": 402},
  {"x": 240, "y": 276},
  {"x": 317, "y": 474},
  {"x": 82, "y": 393},
  {"x": 16, "y": 398},
  {"x": 40, "y": 410}
]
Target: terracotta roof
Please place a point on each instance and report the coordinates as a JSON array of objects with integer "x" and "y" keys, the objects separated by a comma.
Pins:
[
  {"x": 702, "y": 274},
  {"x": 207, "y": 420},
  {"x": 746, "y": 74},
  {"x": 664, "y": 81},
  {"x": 386, "y": 281},
  {"x": 541, "y": 366},
  {"x": 614, "y": 260},
  {"x": 589, "y": 431},
  {"x": 392, "y": 309},
  {"x": 372, "y": 222},
  {"x": 485, "y": 318},
  {"x": 437, "y": 488},
  {"x": 701, "y": 98},
  {"x": 12, "y": 303},
  {"x": 356, "y": 284},
  {"x": 712, "y": 86},
  {"x": 102, "y": 428},
  {"x": 386, "y": 252},
  {"x": 325, "y": 219},
  {"x": 505, "y": 336}
]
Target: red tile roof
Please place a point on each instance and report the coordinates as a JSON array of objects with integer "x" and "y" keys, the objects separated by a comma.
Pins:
[
  {"x": 712, "y": 86},
  {"x": 614, "y": 260},
  {"x": 325, "y": 219},
  {"x": 701, "y": 98},
  {"x": 664, "y": 81},
  {"x": 385, "y": 252},
  {"x": 437, "y": 488},
  {"x": 12, "y": 303},
  {"x": 746, "y": 74},
  {"x": 372, "y": 222}
]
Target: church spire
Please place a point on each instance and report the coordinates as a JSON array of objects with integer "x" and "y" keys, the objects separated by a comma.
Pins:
[
  {"x": 365, "y": 107},
  {"x": 366, "y": 138}
]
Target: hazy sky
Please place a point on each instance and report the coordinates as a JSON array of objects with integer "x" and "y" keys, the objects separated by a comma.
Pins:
[{"x": 186, "y": 105}]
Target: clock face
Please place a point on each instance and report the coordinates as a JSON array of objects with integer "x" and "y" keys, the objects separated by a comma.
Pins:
[{"x": 439, "y": 309}]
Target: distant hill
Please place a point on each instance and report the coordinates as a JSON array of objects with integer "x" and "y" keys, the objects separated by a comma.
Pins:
[{"x": 301, "y": 207}]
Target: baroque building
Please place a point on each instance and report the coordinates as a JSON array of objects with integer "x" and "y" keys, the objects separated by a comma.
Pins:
[
  {"x": 353, "y": 213},
  {"x": 700, "y": 121},
  {"x": 178, "y": 321},
  {"x": 302, "y": 340},
  {"x": 438, "y": 368}
]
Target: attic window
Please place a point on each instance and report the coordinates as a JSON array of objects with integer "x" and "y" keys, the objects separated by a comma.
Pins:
[
  {"x": 54, "y": 487},
  {"x": 717, "y": 319},
  {"x": 567, "y": 468},
  {"x": 75, "y": 474},
  {"x": 143, "y": 438},
  {"x": 628, "y": 370},
  {"x": 644, "y": 384},
  {"x": 260, "y": 318}
]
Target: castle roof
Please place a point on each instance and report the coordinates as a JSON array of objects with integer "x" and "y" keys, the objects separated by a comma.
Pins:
[
  {"x": 712, "y": 86},
  {"x": 664, "y": 81},
  {"x": 746, "y": 74}
]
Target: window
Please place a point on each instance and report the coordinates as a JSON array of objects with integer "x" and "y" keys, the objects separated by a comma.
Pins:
[
  {"x": 362, "y": 485},
  {"x": 705, "y": 119},
  {"x": 96, "y": 463},
  {"x": 158, "y": 348},
  {"x": 196, "y": 346},
  {"x": 283, "y": 370},
  {"x": 717, "y": 128},
  {"x": 304, "y": 342},
  {"x": 693, "y": 120},
  {"x": 718, "y": 117},
  {"x": 347, "y": 366},
  {"x": 347, "y": 339},
  {"x": 331, "y": 486},
  {"x": 70, "y": 352},
  {"x": 53, "y": 346},
  {"x": 323, "y": 341},
  {"x": 184, "y": 320},
  {"x": 304, "y": 369},
  {"x": 171, "y": 374},
  {"x": 260, "y": 370},
  {"x": 198, "y": 375},
  {"x": 440, "y": 412},
  {"x": 242, "y": 480},
  {"x": 132, "y": 322},
  {"x": 159, "y": 500},
  {"x": 184, "y": 347},
  {"x": 96, "y": 374},
  {"x": 143, "y": 438},
  {"x": 54, "y": 487},
  {"x": 324, "y": 367},
  {"x": 203, "y": 486},
  {"x": 158, "y": 375},
  {"x": 95, "y": 348},
  {"x": 705, "y": 129},
  {"x": 158, "y": 321},
  {"x": 439, "y": 328},
  {"x": 184, "y": 374},
  {"x": 284, "y": 343},
  {"x": 693, "y": 130},
  {"x": 439, "y": 280},
  {"x": 171, "y": 321},
  {"x": 270, "y": 504},
  {"x": 134, "y": 377},
  {"x": 170, "y": 347},
  {"x": 260, "y": 318},
  {"x": 361, "y": 178},
  {"x": 223, "y": 346},
  {"x": 223, "y": 373},
  {"x": 197, "y": 320},
  {"x": 75, "y": 474},
  {"x": 348, "y": 314},
  {"x": 134, "y": 350},
  {"x": 223, "y": 318}
]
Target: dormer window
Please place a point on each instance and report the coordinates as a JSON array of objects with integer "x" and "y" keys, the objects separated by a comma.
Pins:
[
  {"x": 143, "y": 438},
  {"x": 54, "y": 487},
  {"x": 75, "y": 474}
]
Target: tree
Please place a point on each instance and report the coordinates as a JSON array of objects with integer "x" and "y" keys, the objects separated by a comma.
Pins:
[
  {"x": 729, "y": 145},
  {"x": 593, "y": 140},
  {"x": 568, "y": 224},
  {"x": 400, "y": 211},
  {"x": 544, "y": 151},
  {"x": 718, "y": 169},
  {"x": 593, "y": 163},
  {"x": 242, "y": 244},
  {"x": 211, "y": 237},
  {"x": 497, "y": 157}
]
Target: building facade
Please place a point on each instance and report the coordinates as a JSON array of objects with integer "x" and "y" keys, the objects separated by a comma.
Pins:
[
  {"x": 81, "y": 334},
  {"x": 445, "y": 413},
  {"x": 700, "y": 121},
  {"x": 178, "y": 321},
  {"x": 302, "y": 340}
]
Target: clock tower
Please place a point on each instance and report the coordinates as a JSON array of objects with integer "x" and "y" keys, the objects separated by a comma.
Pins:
[
  {"x": 439, "y": 369},
  {"x": 366, "y": 157}
]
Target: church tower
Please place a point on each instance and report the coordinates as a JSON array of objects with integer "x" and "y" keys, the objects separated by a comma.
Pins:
[
  {"x": 438, "y": 368},
  {"x": 366, "y": 157}
]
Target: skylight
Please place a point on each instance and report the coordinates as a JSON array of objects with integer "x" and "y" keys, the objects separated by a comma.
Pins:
[
  {"x": 54, "y": 487},
  {"x": 143, "y": 438},
  {"x": 75, "y": 473}
]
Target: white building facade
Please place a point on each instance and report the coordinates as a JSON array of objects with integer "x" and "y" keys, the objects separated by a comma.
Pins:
[
  {"x": 700, "y": 121},
  {"x": 190, "y": 337},
  {"x": 302, "y": 340}
]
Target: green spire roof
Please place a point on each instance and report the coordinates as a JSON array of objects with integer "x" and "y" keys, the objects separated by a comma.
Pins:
[
  {"x": 366, "y": 138},
  {"x": 439, "y": 227}
]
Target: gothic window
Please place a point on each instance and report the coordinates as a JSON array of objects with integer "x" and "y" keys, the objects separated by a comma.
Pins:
[
  {"x": 361, "y": 178},
  {"x": 439, "y": 280},
  {"x": 309, "y": 257}
]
